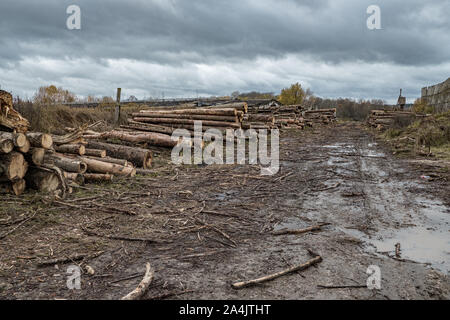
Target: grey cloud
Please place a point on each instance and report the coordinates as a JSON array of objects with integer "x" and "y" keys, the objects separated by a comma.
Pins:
[
  {"x": 331, "y": 30},
  {"x": 171, "y": 38}
]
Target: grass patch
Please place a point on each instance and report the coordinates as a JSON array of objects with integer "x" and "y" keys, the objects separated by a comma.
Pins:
[{"x": 428, "y": 135}]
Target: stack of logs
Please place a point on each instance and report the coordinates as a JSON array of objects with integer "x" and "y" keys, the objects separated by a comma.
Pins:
[
  {"x": 57, "y": 163},
  {"x": 275, "y": 116},
  {"x": 383, "y": 119},
  {"x": 167, "y": 120},
  {"x": 321, "y": 116}
]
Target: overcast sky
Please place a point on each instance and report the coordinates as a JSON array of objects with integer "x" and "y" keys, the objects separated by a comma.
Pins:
[{"x": 179, "y": 47}]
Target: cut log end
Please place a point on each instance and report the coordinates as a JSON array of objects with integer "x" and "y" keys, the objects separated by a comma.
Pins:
[{"x": 6, "y": 146}]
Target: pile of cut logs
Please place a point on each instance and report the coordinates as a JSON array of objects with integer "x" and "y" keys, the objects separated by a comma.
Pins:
[
  {"x": 383, "y": 119},
  {"x": 166, "y": 120},
  {"x": 52, "y": 163},
  {"x": 321, "y": 116},
  {"x": 276, "y": 116}
]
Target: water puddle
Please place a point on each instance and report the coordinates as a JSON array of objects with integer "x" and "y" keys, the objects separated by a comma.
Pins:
[{"x": 427, "y": 242}]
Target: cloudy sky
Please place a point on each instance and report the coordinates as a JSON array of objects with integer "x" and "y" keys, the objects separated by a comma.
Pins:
[{"x": 177, "y": 48}]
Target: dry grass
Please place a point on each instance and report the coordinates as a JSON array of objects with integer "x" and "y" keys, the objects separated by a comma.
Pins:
[
  {"x": 431, "y": 134},
  {"x": 54, "y": 119}
]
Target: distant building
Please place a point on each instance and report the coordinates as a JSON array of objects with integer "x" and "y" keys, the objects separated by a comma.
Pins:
[
  {"x": 401, "y": 101},
  {"x": 438, "y": 95}
]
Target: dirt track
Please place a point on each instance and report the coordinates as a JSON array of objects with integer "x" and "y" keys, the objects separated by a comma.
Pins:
[{"x": 206, "y": 227}]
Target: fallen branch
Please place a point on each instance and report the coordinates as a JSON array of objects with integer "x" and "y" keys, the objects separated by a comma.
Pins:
[
  {"x": 315, "y": 260},
  {"x": 300, "y": 231},
  {"x": 72, "y": 258},
  {"x": 341, "y": 287},
  {"x": 143, "y": 286}
]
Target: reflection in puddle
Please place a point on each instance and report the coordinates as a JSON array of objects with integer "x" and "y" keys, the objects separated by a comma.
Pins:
[{"x": 427, "y": 243}]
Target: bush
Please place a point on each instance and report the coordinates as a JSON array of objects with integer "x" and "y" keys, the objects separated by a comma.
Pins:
[
  {"x": 421, "y": 106},
  {"x": 292, "y": 95}
]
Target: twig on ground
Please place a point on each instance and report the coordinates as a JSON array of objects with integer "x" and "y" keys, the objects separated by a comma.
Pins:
[
  {"x": 317, "y": 258},
  {"x": 73, "y": 258},
  {"x": 143, "y": 286},
  {"x": 300, "y": 231}
]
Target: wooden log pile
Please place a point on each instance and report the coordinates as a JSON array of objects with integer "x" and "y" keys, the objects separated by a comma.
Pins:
[
  {"x": 154, "y": 126},
  {"x": 383, "y": 119},
  {"x": 321, "y": 116},
  {"x": 274, "y": 115},
  {"x": 55, "y": 164}
]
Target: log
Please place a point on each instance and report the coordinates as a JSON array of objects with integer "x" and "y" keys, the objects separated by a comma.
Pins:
[
  {"x": 40, "y": 140},
  {"x": 66, "y": 163},
  {"x": 95, "y": 153},
  {"x": 42, "y": 180},
  {"x": 260, "y": 118},
  {"x": 143, "y": 285},
  {"x": 121, "y": 162},
  {"x": 98, "y": 177},
  {"x": 19, "y": 139},
  {"x": 25, "y": 148},
  {"x": 36, "y": 156},
  {"x": 13, "y": 166},
  {"x": 134, "y": 125},
  {"x": 78, "y": 178},
  {"x": 187, "y": 116},
  {"x": 303, "y": 266},
  {"x": 240, "y": 106},
  {"x": 333, "y": 111},
  {"x": 77, "y": 149},
  {"x": 198, "y": 111},
  {"x": 152, "y": 138},
  {"x": 6, "y": 146},
  {"x": 172, "y": 121},
  {"x": 96, "y": 166},
  {"x": 137, "y": 156},
  {"x": 16, "y": 187}
]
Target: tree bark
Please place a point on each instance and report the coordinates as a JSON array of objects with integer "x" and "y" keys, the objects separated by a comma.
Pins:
[
  {"x": 187, "y": 116},
  {"x": 197, "y": 111},
  {"x": 42, "y": 180},
  {"x": 6, "y": 146},
  {"x": 40, "y": 140},
  {"x": 137, "y": 156},
  {"x": 139, "y": 126},
  {"x": 19, "y": 139},
  {"x": 65, "y": 163},
  {"x": 78, "y": 178},
  {"x": 13, "y": 165},
  {"x": 96, "y": 166},
  {"x": 187, "y": 121},
  {"x": 77, "y": 149},
  {"x": 26, "y": 147},
  {"x": 121, "y": 162},
  {"x": 16, "y": 187},
  {"x": 35, "y": 156},
  {"x": 151, "y": 138},
  {"x": 95, "y": 153}
]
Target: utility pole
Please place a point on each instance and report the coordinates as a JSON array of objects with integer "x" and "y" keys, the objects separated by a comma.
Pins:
[{"x": 117, "y": 113}]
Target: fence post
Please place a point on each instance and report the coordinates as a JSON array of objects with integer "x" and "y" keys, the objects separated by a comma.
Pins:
[{"x": 117, "y": 113}]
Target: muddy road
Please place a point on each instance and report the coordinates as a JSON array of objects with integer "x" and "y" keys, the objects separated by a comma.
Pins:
[{"x": 205, "y": 227}]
